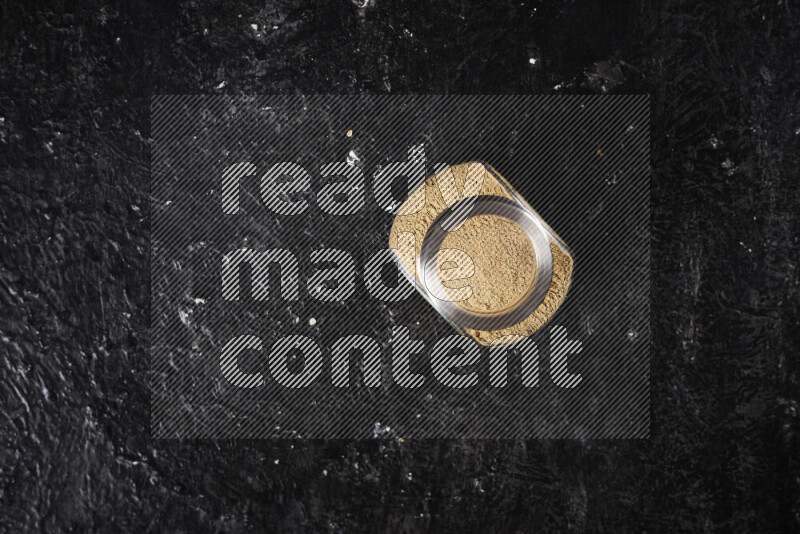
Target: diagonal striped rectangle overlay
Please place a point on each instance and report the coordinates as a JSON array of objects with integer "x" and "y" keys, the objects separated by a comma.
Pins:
[{"x": 275, "y": 310}]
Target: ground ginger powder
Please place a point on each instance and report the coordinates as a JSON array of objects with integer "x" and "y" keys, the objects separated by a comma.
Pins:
[{"x": 504, "y": 260}]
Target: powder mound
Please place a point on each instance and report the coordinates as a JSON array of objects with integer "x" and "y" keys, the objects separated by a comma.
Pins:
[{"x": 503, "y": 259}]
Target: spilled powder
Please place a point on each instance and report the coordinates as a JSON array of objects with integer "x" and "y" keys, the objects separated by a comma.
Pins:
[{"x": 505, "y": 265}]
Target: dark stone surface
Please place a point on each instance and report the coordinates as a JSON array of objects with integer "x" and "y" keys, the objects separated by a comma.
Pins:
[{"x": 75, "y": 86}]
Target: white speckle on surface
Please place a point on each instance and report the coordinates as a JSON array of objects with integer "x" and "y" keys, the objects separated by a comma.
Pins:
[
  {"x": 352, "y": 158},
  {"x": 312, "y": 321},
  {"x": 221, "y": 84},
  {"x": 729, "y": 166},
  {"x": 183, "y": 315},
  {"x": 117, "y": 40},
  {"x": 532, "y": 60},
  {"x": 349, "y": 133},
  {"x": 277, "y": 461},
  {"x": 379, "y": 430},
  {"x": 254, "y": 26},
  {"x": 205, "y": 31},
  {"x": 632, "y": 335},
  {"x": 324, "y": 472}
]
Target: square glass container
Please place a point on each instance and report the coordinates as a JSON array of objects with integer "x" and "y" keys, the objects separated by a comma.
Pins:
[{"x": 480, "y": 254}]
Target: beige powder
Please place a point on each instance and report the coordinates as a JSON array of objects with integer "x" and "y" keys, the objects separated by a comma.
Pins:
[
  {"x": 504, "y": 262},
  {"x": 505, "y": 265}
]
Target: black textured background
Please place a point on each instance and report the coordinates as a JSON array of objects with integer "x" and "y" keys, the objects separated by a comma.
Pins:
[{"x": 76, "y": 81}]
